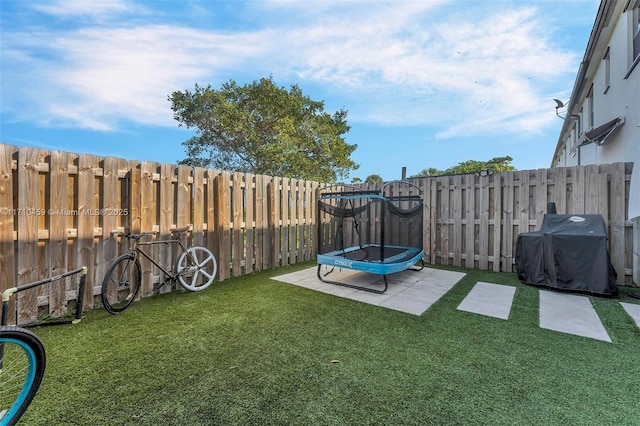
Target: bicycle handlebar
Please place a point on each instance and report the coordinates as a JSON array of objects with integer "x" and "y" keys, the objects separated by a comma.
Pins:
[{"x": 142, "y": 234}]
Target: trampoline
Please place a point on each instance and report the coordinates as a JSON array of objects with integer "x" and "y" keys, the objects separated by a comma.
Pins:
[{"x": 373, "y": 231}]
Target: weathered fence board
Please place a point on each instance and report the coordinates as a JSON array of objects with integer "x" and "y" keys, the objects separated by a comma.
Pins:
[
  {"x": 27, "y": 255},
  {"x": 223, "y": 205},
  {"x": 470, "y": 221},
  {"x": 497, "y": 222},
  {"x": 57, "y": 245},
  {"x": 237, "y": 238},
  {"x": 483, "y": 223}
]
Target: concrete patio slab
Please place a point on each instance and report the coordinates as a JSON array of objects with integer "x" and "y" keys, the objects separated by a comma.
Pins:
[
  {"x": 572, "y": 314},
  {"x": 414, "y": 292},
  {"x": 488, "y": 299},
  {"x": 409, "y": 291},
  {"x": 633, "y": 310}
]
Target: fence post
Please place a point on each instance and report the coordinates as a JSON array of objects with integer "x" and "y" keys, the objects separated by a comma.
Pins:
[{"x": 271, "y": 197}]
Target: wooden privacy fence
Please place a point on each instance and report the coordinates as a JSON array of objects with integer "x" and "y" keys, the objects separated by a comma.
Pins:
[
  {"x": 474, "y": 220},
  {"x": 57, "y": 211}
]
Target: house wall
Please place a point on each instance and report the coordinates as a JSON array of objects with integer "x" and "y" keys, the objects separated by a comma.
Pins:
[{"x": 619, "y": 98}]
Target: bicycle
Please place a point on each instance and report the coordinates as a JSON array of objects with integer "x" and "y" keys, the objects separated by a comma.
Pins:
[
  {"x": 195, "y": 269},
  {"x": 22, "y": 356},
  {"x": 22, "y": 365}
]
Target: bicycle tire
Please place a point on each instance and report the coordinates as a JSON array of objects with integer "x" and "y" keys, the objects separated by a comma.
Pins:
[
  {"x": 22, "y": 364},
  {"x": 197, "y": 268},
  {"x": 121, "y": 284}
]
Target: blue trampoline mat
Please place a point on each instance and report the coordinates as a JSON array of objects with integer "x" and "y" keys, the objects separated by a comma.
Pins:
[{"x": 369, "y": 258}]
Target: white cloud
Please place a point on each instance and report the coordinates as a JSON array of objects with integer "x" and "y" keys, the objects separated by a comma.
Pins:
[
  {"x": 399, "y": 63},
  {"x": 100, "y": 76},
  {"x": 84, "y": 8}
]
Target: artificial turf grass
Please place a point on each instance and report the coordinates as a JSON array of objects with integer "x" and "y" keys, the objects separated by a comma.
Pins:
[{"x": 252, "y": 350}]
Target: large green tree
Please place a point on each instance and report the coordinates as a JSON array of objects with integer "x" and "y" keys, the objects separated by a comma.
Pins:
[
  {"x": 496, "y": 164},
  {"x": 264, "y": 129}
]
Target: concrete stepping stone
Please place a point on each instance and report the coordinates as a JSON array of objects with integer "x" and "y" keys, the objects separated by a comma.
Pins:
[
  {"x": 633, "y": 310},
  {"x": 572, "y": 314},
  {"x": 493, "y": 300}
]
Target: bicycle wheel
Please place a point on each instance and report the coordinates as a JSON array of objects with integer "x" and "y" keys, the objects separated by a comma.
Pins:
[
  {"x": 197, "y": 268},
  {"x": 22, "y": 364},
  {"x": 121, "y": 283}
]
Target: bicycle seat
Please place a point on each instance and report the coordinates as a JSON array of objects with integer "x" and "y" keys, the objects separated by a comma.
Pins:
[{"x": 179, "y": 230}]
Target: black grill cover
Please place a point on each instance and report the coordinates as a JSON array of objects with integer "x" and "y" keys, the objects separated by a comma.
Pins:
[{"x": 568, "y": 253}]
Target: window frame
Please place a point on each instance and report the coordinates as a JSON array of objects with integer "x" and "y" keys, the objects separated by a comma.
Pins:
[
  {"x": 590, "y": 107},
  {"x": 573, "y": 147},
  {"x": 606, "y": 59},
  {"x": 635, "y": 31},
  {"x": 633, "y": 49}
]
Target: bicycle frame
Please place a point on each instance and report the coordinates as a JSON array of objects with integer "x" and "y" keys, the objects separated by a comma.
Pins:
[{"x": 173, "y": 242}]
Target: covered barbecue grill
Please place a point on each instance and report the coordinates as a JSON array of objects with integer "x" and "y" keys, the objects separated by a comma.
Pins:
[{"x": 569, "y": 252}]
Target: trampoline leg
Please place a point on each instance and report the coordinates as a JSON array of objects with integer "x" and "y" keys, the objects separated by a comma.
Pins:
[
  {"x": 319, "y": 275},
  {"x": 357, "y": 287},
  {"x": 414, "y": 268}
]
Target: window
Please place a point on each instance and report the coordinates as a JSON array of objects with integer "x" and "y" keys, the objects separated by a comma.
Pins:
[
  {"x": 580, "y": 121},
  {"x": 633, "y": 9},
  {"x": 636, "y": 29},
  {"x": 632, "y": 12},
  {"x": 589, "y": 123},
  {"x": 573, "y": 139},
  {"x": 607, "y": 70}
]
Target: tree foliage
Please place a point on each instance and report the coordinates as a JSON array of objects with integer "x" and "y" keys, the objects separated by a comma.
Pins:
[
  {"x": 374, "y": 179},
  {"x": 264, "y": 129},
  {"x": 496, "y": 165}
]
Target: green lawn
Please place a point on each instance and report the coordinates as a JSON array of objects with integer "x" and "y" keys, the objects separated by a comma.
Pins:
[{"x": 254, "y": 351}]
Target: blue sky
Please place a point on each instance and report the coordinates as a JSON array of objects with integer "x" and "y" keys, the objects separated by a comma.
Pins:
[{"x": 426, "y": 83}]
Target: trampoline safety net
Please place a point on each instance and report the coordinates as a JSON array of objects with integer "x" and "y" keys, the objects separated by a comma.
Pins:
[{"x": 370, "y": 226}]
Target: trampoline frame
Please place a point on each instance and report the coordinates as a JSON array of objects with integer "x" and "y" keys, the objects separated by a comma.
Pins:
[{"x": 405, "y": 259}]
